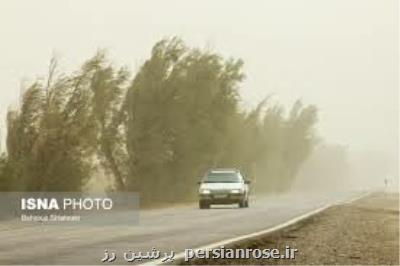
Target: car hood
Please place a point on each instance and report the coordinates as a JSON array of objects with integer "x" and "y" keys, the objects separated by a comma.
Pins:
[{"x": 218, "y": 186}]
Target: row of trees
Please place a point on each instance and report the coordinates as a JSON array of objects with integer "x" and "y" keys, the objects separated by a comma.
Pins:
[{"x": 155, "y": 133}]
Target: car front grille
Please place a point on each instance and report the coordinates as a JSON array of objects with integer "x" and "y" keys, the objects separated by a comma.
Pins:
[{"x": 220, "y": 191}]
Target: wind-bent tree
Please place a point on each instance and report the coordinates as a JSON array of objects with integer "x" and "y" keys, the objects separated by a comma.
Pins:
[
  {"x": 180, "y": 107},
  {"x": 108, "y": 110},
  {"x": 155, "y": 133},
  {"x": 50, "y": 136}
]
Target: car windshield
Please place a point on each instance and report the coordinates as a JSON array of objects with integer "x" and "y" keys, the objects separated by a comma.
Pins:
[{"x": 222, "y": 177}]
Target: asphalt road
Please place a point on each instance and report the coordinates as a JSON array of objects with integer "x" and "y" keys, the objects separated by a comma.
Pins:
[{"x": 164, "y": 229}]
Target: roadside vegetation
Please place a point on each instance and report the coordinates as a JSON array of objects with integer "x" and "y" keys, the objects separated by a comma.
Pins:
[{"x": 154, "y": 132}]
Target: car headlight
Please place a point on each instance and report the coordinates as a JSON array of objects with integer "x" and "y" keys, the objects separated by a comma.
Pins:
[
  {"x": 205, "y": 191},
  {"x": 236, "y": 191}
]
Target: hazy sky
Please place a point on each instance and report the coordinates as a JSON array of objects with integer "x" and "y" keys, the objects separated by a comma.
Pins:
[{"x": 341, "y": 55}]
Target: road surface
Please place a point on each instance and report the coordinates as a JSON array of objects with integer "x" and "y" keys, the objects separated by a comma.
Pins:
[
  {"x": 165, "y": 229},
  {"x": 363, "y": 232}
]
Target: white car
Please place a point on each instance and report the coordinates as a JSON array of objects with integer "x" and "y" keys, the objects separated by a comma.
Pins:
[{"x": 223, "y": 186}]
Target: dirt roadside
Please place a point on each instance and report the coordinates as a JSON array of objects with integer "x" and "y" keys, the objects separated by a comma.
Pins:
[{"x": 364, "y": 232}]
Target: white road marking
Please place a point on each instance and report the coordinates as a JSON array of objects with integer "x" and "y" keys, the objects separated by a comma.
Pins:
[{"x": 180, "y": 256}]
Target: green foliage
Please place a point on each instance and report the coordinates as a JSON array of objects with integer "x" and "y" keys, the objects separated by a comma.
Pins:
[
  {"x": 179, "y": 108},
  {"x": 6, "y": 174},
  {"x": 183, "y": 118},
  {"x": 156, "y": 133},
  {"x": 50, "y": 137},
  {"x": 108, "y": 111}
]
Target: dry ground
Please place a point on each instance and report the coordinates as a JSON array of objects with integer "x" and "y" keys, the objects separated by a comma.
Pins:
[{"x": 365, "y": 232}]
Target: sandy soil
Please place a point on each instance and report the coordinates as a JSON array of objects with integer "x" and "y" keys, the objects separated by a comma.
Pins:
[{"x": 365, "y": 232}]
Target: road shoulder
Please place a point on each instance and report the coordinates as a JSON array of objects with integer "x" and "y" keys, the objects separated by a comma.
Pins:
[{"x": 363, "y": 232}]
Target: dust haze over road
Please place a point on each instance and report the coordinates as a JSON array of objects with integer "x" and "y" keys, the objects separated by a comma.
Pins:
[
  {"x": 166, "y": 229},
  {"x": 339, "y": 58}
]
